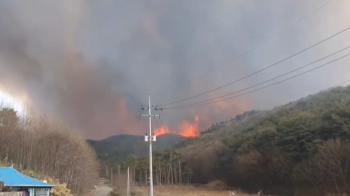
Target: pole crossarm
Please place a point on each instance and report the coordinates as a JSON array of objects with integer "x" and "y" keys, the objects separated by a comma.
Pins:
[{"x": 152, "y": 115}]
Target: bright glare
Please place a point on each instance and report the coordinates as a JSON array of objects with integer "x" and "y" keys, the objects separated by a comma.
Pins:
[{"x": 7, "y": 100}]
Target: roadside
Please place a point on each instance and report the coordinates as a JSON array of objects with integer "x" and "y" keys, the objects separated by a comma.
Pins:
[{"x": 102, "y": 190}]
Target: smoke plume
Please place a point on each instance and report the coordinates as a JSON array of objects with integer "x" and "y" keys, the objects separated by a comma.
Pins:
[{"x": 92, "y": 64}]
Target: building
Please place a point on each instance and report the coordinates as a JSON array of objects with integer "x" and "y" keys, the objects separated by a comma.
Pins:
[{"x": 19, "y": 184}]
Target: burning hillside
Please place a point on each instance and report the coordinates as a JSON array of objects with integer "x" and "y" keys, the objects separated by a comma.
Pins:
[{"x": 186, "y": 128}]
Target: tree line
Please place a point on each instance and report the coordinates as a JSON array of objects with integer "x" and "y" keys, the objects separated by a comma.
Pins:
[
  {"x": 169, "y": 168},
  {"x": 48, "y": 148}
]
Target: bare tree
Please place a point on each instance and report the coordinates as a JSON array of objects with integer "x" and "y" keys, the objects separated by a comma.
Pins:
[{"x": 49, "y": 148}]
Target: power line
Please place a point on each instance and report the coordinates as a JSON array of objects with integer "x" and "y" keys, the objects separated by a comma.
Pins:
[
  {"x": 263, "y": 69},
  {"x": 279, "y": 76},
  {"x": 262, "y": 43},
  {"x": 339, "y": 84},
  {"x": 195, "y": 104},
  {"x": 346, "y": 81}
]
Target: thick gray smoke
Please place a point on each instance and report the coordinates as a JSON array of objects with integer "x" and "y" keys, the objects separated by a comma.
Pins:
[{"x": 93, "y": 63}]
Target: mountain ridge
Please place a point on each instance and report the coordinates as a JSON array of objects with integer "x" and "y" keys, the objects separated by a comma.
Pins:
[{"x": 119, "y": 147}]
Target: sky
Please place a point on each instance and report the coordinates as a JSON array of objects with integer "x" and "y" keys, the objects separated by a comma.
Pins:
[
  {"x": 9, "y": 101},
  {"x": 92, "y": 64}
]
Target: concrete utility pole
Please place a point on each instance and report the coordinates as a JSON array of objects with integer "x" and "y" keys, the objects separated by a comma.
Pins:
[
  {"x": 150, "y": 138},
  {"x": 111, "y": 177},
  {"x": 106, "y": 173},
  {"x": 128, "y": 184}
]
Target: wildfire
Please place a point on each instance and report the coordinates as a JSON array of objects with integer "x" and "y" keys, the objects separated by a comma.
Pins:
[
  {"x": 186, "y": 129},
  {"x": 161, "y": 130}
]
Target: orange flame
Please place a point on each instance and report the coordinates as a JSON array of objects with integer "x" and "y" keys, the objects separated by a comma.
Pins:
[
  {"x": 186, "y": 129},
  {"x": 161, "y": 130}
]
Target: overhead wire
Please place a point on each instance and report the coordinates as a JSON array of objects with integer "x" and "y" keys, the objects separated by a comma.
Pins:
[
  {"x": 344, "y": 82},
  {"x": 260, "y": 44},
  {"x": 252, "y": 91},
  {"x": 263, "y": 69},
  {"x": 279, "y": 76}
]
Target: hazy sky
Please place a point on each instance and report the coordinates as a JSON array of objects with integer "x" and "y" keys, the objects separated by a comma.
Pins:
[{"x": 93, "y": 63}]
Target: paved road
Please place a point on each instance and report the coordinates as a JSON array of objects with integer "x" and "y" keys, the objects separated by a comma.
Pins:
[{"x": 102, "y": 190}]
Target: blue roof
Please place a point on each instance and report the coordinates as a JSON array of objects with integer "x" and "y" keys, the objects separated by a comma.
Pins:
[{"x": 11, "y": 177}]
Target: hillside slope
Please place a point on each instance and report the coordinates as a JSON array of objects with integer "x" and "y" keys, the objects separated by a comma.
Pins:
[
  {"x": 303, "y": 146},
  {"x": 304, "y": 143},
  {"x": 118, "y": 147}
]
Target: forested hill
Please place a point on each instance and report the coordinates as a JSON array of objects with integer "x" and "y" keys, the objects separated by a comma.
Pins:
[
  {"x": 302, "y": 146},
  {"x": 119, "y": 147}
]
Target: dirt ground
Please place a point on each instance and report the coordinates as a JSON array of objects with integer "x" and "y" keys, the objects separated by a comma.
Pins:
[
  {"x": 102, "y": 190},
  {"x": 185, "y": 191}
]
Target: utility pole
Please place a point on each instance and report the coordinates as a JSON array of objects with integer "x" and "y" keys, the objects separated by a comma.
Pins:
[
  {"x": 111, "y": 177},
  {"x": 106, "y": 173},
  {"x": 128, "y": 184},
  {"x": 118, "y": 170},
  {"x": 150, "y": 138}
]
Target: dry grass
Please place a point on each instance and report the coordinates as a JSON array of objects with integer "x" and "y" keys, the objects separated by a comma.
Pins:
[{"x": 185, "y": 191}]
